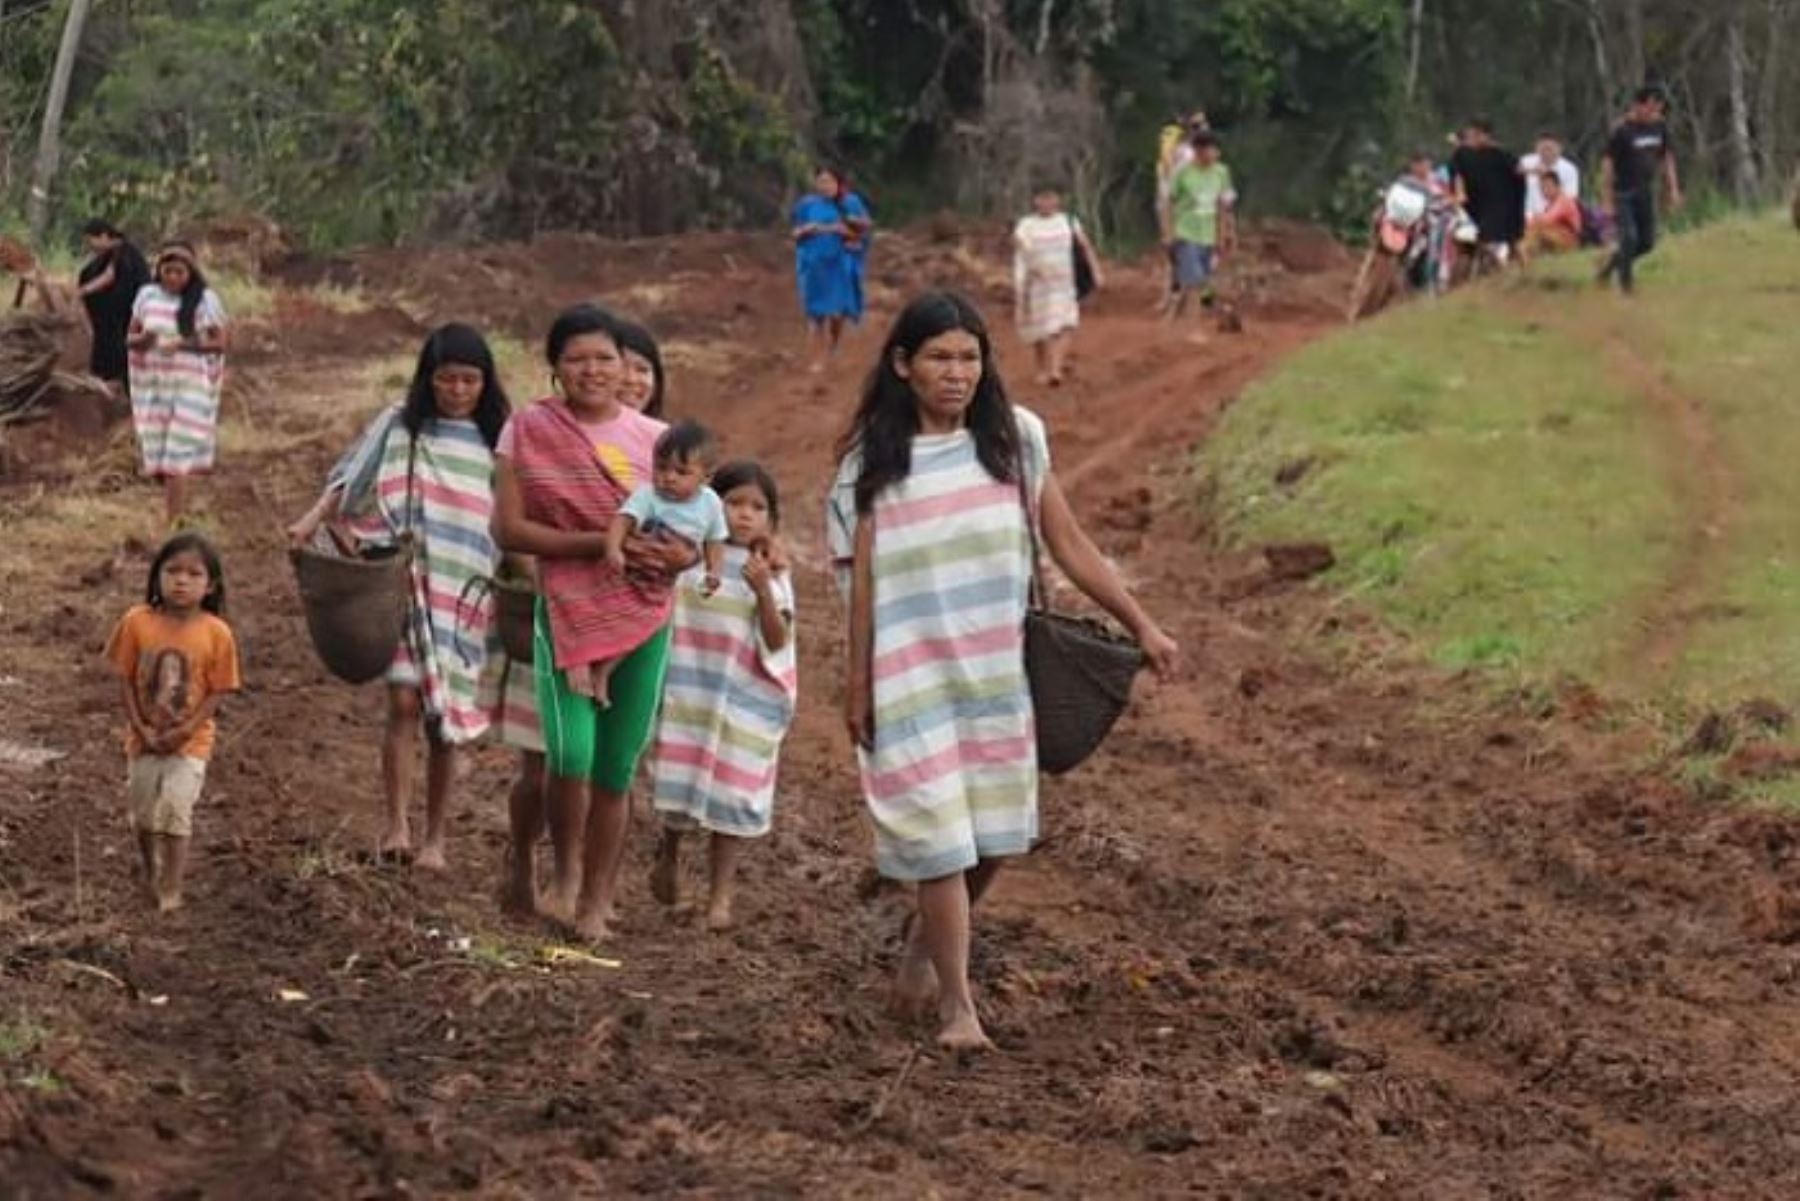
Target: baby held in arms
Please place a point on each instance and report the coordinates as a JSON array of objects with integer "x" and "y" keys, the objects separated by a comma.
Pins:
[{"x": 677, "y": 502}]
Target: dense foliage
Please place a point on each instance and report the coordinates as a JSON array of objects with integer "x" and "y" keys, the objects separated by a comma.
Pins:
[{"x": 356, "y": 120}]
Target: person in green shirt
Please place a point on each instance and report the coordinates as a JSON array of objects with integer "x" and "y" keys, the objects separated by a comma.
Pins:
[{"x": 1197, "y": 223}]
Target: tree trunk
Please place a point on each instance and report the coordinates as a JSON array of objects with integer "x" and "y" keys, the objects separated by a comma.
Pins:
[
  {"x": 1743, "y": 152},
  {"x": 1415, "y": 49},
  {"x": 49, "y": 153},
  {"x": 1770, "y": 122}
]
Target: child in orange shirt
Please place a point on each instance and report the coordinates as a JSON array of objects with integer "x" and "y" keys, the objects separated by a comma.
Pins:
[{"x": 177, "y": 659}]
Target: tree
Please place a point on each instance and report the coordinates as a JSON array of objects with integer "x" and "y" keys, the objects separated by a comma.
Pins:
[{"x": 49, "y": 152}]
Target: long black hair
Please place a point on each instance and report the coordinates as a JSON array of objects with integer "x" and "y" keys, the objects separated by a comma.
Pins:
[
  {"x": 214, "y": 600},
  {"x": 887, "y": 419},
  {"x": 635, "y": 339},
  {"x": 465, "y": 347},
  {"x": 738, "y": 473},
  {"x": 194, "y": 293}
]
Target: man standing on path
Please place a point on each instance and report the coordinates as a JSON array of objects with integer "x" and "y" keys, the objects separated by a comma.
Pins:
[
  {"x": 1490, "y": 189},
  {"x": 1639, "y": 145}
]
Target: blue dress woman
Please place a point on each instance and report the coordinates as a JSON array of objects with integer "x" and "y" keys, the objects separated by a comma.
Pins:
[{"x": 831, "y": 229}]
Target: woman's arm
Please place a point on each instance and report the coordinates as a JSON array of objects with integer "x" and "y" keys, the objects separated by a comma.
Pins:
[
  {"x": 323, "y": 510},
  {"x": 859, "y": 683},
  {"x": 211, "y": 339},
  {"x": 1088, "y": 569},
  {"x": 518, "y": 533},
  {"x": 100, "y": 282},
  {"x": 139, "y": 338}
]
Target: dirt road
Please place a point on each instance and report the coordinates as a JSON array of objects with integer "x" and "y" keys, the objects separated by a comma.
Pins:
[{"x": 1312, "y": 925}]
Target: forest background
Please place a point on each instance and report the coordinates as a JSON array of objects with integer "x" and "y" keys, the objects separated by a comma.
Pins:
[{"x": 358, "y": 121}]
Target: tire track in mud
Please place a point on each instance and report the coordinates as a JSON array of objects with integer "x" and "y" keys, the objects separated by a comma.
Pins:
[{"x": 1700, "y": 477}]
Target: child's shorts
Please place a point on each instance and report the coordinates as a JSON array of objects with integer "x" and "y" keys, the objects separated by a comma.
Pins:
[
  {"x": 163, "y": 790},
  {"x": 1193, "y": 265}
]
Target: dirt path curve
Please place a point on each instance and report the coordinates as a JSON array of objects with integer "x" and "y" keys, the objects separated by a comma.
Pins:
[{"x": 1299, "y": 931}]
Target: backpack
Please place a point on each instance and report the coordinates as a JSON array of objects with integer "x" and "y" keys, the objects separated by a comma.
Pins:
[{"x": 1596, "y": 226}]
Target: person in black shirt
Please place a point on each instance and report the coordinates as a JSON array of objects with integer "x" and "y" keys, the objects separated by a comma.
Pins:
[
  {"x": 1635, "y": 152},
  {"x": 1490, "y": 188},
  {"x": 109, "y": 284}
]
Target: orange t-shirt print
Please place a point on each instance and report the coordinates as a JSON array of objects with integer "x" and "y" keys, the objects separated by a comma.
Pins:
[{"x": 174, "y": 666}]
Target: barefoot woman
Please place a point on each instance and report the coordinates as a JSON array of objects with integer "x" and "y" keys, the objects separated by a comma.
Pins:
[
  {"x": 565, "y": 466},
  {"x": 928, "y": 531}
]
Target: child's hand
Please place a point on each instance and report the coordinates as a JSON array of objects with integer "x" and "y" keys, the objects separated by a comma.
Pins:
[
  {"x": 758, "y": 573},
  {"x": 709, "y": 585},
  {"x": 615, "y": 558}
]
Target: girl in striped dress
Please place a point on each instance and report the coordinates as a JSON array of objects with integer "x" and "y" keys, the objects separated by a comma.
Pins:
[
  {"x": 1047, "y": 307},
  {"x": 426, "y": 467},
  {"x": 927, "y": 526},
  {"x": 177, "y": 344},
  {"x": 729, "y": 696}
]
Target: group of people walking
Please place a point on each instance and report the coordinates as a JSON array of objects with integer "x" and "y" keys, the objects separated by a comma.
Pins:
[{"x": 943, "y": 490}]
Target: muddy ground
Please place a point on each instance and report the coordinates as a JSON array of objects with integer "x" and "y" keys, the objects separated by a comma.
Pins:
[{"x": 1315, "y": 923}]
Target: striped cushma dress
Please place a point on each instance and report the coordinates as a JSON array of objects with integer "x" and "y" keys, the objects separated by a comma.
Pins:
[
  {"x": 1044, "y": 276},
  {"x": 452, "y": 502},
  {"x": 727, "y": 703},
  {"x": 175, "y": 393},
  {"x": 953, "y": 775}
]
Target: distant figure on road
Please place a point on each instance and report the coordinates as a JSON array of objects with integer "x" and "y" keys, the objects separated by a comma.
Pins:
[
  {"x": 1197, "y": 223},
  {"x": 1044, "y": 291},
  {"x": 1637, "y": 150},
  {"x": 830, "y": 223},
  {"x": 109, "y": 284}
]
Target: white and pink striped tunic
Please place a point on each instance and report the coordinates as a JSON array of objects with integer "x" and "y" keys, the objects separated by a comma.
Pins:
[
  {"x": 175, "y": 392},
  {"x": 727, "y": 703},
  {"x": 952, "y": 778}
]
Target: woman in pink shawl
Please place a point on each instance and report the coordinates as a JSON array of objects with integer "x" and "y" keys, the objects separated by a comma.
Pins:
[{"x": 563, "y": 468}]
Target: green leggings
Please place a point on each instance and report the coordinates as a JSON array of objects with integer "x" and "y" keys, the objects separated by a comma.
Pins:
[{"x": 582, "y": 741}]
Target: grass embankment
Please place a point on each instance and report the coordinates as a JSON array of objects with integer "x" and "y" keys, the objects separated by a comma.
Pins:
[{"x": 1544, "y": 478}]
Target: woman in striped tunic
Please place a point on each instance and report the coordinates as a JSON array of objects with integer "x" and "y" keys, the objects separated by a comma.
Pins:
[
  {"x": 1044, "y": 296},
  {"x": 927, "y": 525},
  {"x": 426, "y": 468},
  {"x": 177, "y": 343}
]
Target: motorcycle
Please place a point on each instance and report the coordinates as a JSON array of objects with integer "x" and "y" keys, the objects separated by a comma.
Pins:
[{"x": 1412, "y": 246}]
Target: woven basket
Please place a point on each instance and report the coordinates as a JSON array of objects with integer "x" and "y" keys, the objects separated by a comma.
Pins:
[
  {"x": 1081, "y": 672},
  {"x": 355, "y": 610},
  {"x": 516, "y": 603}
]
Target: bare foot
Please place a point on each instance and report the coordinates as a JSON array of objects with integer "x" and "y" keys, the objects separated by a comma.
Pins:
[
  {"x": 168, "y": 904},
  {"x": 916, "y": 982},
  {"x": 963, "y": 1032},
  {"x": 560, "y": 900},
  {"x": 719, "y": 917},
  {"x": 591, "y": 926},
  {"x": 432, "y": 858},
  {"x": 663, "y": 883},
  {"x": 395, "y": 840}
]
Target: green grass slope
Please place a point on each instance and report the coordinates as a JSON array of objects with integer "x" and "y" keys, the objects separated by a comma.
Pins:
[{"x": 1546, "y": 477}]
